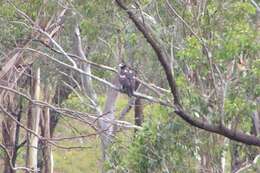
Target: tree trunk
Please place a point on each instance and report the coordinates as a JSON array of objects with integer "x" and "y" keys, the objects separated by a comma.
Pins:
[
  {"x": 236, "y": 161},
  {"x": 8, "y": 133},
  {"x": 108, "y": 113},
  {"x": 9, "y": 128},
  {"x": 33, "y": 124},
  {"x": 139, "y": 116},
  {"x": 205, "y": 166},
  {"x": 46, "y": 149},
  {"x": 17, "y": 132}
]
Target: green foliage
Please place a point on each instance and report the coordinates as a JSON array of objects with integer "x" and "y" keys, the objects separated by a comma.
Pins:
[
  {"x": 237, "y": 34},
  {"x": 10, "y": 32},
  {"x": 192, "y": 52},
  {"x": 73, "y": 102},
  {"x": 7, "y": 11},
  {"x": 163, "y": 144},
  {"x": 237, "y": 39},
  {"x": 132, "y": 38},
  {"x": 97, "y": 14},
  {"x": 256, "y": 68},
  {"x": 242, "y": 9},
  {"x": 2, "y": 153},
  {"x": 241, "y": 109},
  {"x": 14, "y": 27},
  {"x": 89, "y": 28}
]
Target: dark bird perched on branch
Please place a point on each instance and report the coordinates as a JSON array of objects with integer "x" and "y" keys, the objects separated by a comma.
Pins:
[{"x": 127, "y": 79}]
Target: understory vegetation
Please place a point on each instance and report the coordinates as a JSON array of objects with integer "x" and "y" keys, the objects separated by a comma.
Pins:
[{"x": 130, "y": 86}]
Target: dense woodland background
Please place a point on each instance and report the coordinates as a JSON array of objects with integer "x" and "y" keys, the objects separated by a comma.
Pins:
[{"x": 62, "y": 109}]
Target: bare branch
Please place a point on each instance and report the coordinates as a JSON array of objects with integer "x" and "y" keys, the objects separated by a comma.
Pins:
[
  {"x": 162, "y": 56},
  {"x": 10, "y": 161},
  {"x": 256, "y": 5},
  {"x": 143, "y": 96},
  {"x": 249, "y": 165},
  {"x": 150, "y": 86},
  {"x": 66, "y": 112},
  {"x": 159, "y": 50}
]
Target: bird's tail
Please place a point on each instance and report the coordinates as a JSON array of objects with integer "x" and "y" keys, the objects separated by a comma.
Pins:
[{"x": 130, "y": 92}]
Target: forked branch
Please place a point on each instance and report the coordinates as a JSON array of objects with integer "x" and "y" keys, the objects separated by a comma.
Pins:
[{"x": 162, "y": 57}]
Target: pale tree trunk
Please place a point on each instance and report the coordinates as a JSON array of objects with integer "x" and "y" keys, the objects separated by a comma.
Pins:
[
  {"x": 9, "y": 76},
  {"x": 86, "y": 81},
  {"x": 256, "y": 114},
  {"x": 47, "y": 150},
  {"x": 48, "y": 163},
  {"x": 88, "y": 89},
  {"x": 33, "y": 124},
  {"x": 108, "y": 129},
  {"x": 256, "y": 123},
  {"x": 224, "y": 155},
  {"x": 205, "y": 166},
  {"x": 108, "y": 113}
]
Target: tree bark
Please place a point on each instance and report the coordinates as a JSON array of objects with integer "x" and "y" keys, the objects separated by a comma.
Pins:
[
  {"x": 139, "y": 116},
  {"x": 33, "y": 124},
  {"x": 205, "y": 166},
  {"x": 108, "y": 128},
  {"x": 10, "y": 129},
  {"x": 46, "y": 149},
  {"x": 162, "y": 56},
  {"x": 17, "y": 133},
  {"x": 108, "y": 113},
  {"x": 8, "y": 133},
  {"x": 236, "y": 161},
  {"x": 15, "y": 60}
]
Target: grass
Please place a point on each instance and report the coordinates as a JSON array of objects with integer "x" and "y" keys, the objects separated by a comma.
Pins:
[
  {"x": 86, "y": 160},
  {"x": 82, "y": 160}
]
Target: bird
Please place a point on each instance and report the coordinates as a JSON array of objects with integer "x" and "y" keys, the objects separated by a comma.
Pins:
[{"x": 127, "y": 79}]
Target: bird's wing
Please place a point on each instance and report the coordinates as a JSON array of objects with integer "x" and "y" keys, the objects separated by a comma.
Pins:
[
  {"x": 127, "y": 80},
  {"x": 131, "y": 76},
  {"x": 124, "y": 80}
]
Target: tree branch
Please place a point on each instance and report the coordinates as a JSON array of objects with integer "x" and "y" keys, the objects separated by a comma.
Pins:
[
  {"x": 10, "y": 162},
  {"x": 161, "y": 54},
  {"x": 162, "y": 57}
]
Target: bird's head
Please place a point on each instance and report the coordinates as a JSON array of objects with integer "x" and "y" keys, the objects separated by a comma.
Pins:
[{"x": 122, "y": 65}]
